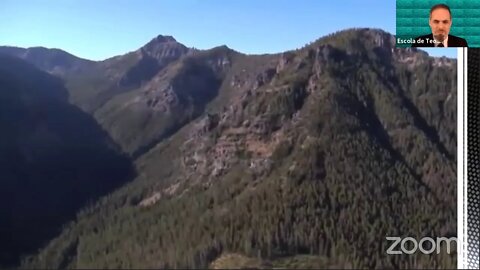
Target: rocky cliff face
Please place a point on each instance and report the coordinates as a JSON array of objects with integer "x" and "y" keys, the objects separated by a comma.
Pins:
[{"x": 271, "y": 110}]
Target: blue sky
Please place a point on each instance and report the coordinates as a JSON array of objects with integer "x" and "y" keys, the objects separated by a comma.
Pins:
[{"x": 98, "y": 29}]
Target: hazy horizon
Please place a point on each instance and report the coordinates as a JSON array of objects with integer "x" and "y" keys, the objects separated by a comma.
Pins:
[{"x": 97, "y": 30}]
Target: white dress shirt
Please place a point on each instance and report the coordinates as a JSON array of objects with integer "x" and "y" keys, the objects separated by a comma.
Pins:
[{"x": 445, "y": 42}]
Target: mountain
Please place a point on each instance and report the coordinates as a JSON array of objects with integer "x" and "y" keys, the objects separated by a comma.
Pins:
[
  {"x": 310, "y": 157},
  {"x": 91, "y": 89},
  {"x": 54, "y": 61},
  {"x": 94, "y": 86},
  {"x": 54, "y": 159}
]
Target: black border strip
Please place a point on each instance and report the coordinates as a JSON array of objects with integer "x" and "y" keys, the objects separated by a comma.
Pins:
[{"x": 473, "y": 159}]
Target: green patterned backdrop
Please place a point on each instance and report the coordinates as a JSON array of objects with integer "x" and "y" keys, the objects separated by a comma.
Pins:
[{"x": 412, "y": 19}]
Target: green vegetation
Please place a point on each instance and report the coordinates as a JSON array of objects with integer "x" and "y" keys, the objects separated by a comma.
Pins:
[
  {"x": 54, "y": 159},
  {"x": 367, "y": 150}
]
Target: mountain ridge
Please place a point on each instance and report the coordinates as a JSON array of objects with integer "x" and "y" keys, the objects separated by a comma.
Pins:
[{"x": 161, "y": 38}]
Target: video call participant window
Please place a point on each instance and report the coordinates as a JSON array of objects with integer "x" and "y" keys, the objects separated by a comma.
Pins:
[{"x": 427, "y": 23}]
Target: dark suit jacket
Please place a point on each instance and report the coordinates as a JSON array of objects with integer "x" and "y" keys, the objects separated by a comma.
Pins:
[{"x": 453, "y": 41}]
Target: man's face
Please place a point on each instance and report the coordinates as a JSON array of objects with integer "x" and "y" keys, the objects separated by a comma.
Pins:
[{"x": 440, "y": 22}]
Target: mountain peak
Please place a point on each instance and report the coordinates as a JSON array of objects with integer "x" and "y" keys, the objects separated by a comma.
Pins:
[
  {"x": 161, "y": 42},
  {"x": 163, "y": 46},
  {"x": 352, "y": 36},
  {"x": 163, "y": 39}
]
